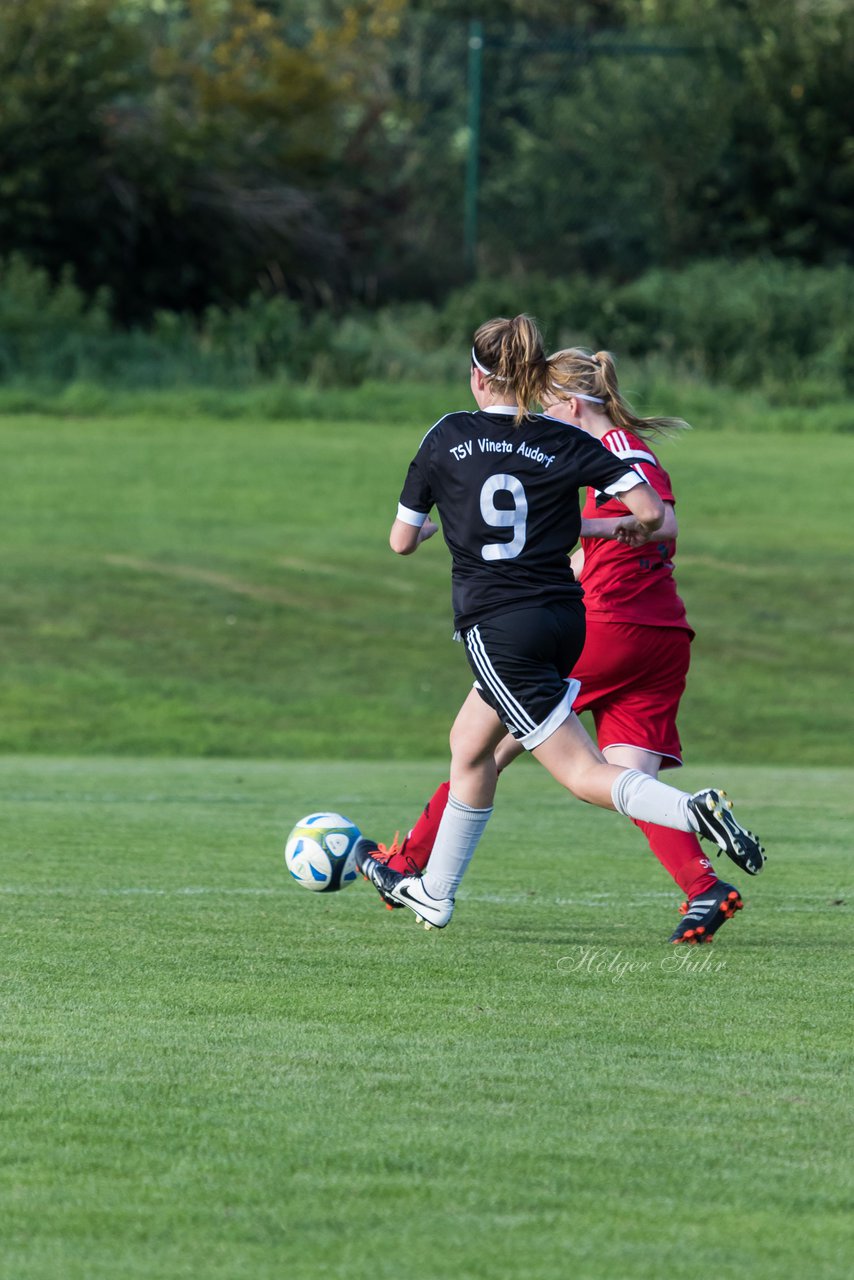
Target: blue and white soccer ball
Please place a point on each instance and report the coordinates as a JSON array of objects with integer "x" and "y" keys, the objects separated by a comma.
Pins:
[{"x": 319, "y": 852}]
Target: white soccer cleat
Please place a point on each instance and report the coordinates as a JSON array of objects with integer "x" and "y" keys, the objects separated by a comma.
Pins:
[
  {"x": 402, "y": 890},
  {"x": 409, "y": 891}
]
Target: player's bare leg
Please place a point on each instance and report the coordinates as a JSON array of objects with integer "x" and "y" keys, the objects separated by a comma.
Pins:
[
  {"x": 474, "y": 736},
  {"x": 573, "y": 760},
  {"x": 508, "y": 750}
]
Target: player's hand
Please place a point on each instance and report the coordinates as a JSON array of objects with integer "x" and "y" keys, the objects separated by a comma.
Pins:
[
  {"x": 428, "y": 528},
  {"x": 631, "y": 532}
]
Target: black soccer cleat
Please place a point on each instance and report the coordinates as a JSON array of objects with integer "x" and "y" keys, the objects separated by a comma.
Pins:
[
  {"x": 712, "y": 810},
  {"x": 399, "y": 890},
  {"x": 704, "y": 915},
  {"x": 383, "y": 854},
  {"x": 369, "y": 852}
]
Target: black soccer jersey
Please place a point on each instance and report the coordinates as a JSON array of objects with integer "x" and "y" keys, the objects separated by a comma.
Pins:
[{"x": 507, "y": 497}]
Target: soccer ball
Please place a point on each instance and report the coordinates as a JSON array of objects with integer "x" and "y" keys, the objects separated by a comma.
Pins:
[{"x": 319, "y": 852}]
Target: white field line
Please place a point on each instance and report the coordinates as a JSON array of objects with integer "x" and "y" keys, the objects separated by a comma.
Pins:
[
  {"x": 192, "y": 891},
  {"x": 604, "y": 900},
  {"x": 135, "y": 891}
]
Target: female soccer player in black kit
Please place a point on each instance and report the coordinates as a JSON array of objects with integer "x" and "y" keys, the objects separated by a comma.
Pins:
[{"x": 505, "y": 482}]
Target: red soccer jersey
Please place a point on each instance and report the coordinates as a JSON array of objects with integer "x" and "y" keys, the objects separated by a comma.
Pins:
[{"x": 630, "y": 584}]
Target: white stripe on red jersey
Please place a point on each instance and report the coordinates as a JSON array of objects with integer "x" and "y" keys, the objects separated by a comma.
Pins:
[{"x": 618, "y": 443}]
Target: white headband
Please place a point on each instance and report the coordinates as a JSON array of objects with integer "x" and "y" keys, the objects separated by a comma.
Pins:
[
  {"x": 579, "y": 395},
  {"x": 490, "y": 374},
  {"x": 480, "y": 366},
  {"x": 483, "y": 368}
]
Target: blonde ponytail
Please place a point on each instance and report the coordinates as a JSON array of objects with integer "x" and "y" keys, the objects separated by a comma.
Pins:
[
  {"x": 511, "y": 355},
  {"x": 593, "y": 376}
]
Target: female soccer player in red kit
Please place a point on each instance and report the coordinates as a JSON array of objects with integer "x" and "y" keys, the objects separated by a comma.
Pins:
[{"x": 632, "y": 676}]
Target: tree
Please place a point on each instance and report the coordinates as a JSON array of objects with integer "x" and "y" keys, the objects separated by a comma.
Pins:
[
  {"x": 61, "y": 69},
  {"x": 172, "y": 160}
]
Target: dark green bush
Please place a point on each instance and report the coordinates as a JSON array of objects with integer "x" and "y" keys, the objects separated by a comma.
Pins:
[
  {"x": 46, "y": 328},
  {"x": 747, "y": 323}
]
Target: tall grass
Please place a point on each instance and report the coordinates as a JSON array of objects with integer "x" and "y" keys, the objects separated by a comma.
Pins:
[
  {"x": 773, "y": 329},
  {"x": 652, "y": 389}
]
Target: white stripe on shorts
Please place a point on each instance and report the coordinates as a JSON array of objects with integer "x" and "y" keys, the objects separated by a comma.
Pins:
[
  {"x": 509, "y": 705},
  {"x": 555, "y": 719}
]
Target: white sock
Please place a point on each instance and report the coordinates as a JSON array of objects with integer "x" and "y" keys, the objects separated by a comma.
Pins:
[
  {"x": 637, "y": 795},
  {"x": 456, "y": 840}
]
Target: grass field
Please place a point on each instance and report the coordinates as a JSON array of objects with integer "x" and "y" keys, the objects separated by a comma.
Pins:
[
  {"x": 197, "y": 587},
  {"x": 210, "y": 1073}
]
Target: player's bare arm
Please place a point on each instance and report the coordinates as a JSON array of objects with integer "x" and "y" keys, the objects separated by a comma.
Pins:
[
  {"x": 629, "y": 530},
  {"x": 406, "y": 538},
  {"x": 646, "y": 506},
  {"x": 633, "y": 534}
]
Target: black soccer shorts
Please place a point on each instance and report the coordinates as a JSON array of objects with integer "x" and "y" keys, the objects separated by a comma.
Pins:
[{"x": 521, "y": 660}]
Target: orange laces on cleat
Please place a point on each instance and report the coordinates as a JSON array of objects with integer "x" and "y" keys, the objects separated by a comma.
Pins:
[
  {"x": 385, "y": 853},
  {"x": 389, "y": 851},
  {"x": 397, "y": 847}
]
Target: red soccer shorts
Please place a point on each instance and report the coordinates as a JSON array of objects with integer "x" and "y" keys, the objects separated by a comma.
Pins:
[{"x": 632, "y": 678}]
